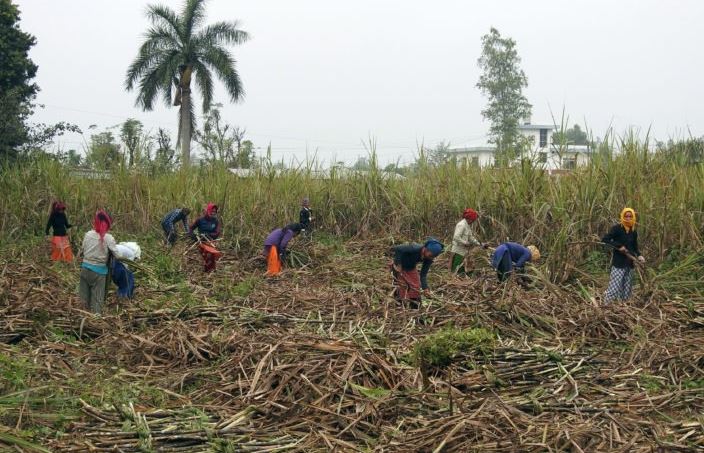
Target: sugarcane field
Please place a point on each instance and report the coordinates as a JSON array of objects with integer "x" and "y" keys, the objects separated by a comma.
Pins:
[{"x": 480, "y": 272}]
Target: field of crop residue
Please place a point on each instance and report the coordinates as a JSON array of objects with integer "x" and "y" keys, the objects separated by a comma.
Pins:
[{"x": 322, "y": 358}]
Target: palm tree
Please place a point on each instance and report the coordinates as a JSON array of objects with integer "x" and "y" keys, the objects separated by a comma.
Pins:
[{"x": 177, "y": 48}]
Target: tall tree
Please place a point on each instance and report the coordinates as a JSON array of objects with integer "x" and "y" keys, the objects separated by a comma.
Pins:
[
  {"x": 131, "y": 136},
  {"x": 103, "y": 152},
  {"x": 16, "y": 73},
  {"x": 177, "y": 48},
  {"x": 572, "y": 136},
  {"x": 502, "y": 82}
]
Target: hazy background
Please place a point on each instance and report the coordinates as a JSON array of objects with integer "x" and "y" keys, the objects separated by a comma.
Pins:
[{"x": 323, "y": 76}]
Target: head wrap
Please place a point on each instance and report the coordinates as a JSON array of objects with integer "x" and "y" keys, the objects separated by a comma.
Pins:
[
  {"x": 534, "y": 253},
  {"x": 628, "y": 224},
  {"x": 295, "y": 227},
  {"x": 102, "y": 223},
  {"x": 210, "y": 209},
  {"x": 57, "y": 206},
  {"x": 306, "y": 202},
  {"x": 470, "y": 215},
  {"x": 434, "y": 246}
]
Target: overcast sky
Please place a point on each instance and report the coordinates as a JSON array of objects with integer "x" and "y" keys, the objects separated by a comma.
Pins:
[{"x": 324, "y": 76}]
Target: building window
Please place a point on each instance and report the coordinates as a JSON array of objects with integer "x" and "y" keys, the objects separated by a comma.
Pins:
[
  {"x": 569, "y": 163},
  {"x": 543, "y": 138},
  {"x": 542, "y": 158},
  {"x": 475, "y": 161}
]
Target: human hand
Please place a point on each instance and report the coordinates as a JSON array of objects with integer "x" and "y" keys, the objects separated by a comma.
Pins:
[
  {"x": 396, "y": 267},
  {"x": 427, "y": 292},
  {"x": 622, "y": 249},
  {"x": 641, "y": 258},
  {"x": 485, "y": 246}
]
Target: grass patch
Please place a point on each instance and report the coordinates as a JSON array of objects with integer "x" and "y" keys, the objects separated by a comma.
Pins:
[{"x": 441, "y": 348}]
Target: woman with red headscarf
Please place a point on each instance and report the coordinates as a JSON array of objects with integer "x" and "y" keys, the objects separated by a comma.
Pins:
[
  {"x": 209, "y": 227},
  {"x": 462, "y": 240},
  {"x": 97, "y": 245},
  {"x": 60, "y": 245}
]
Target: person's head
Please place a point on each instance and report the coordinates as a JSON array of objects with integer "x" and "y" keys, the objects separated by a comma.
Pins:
[
  {"x": 102, "y": 223},
  {"x": 58, "y": 206},
  {"x": 470, "y": 215},
  {"x": 431, "y": 248},
  {"x": 534, "y": 253},
  {"x": 211, "y": 210},
  {"x": 295, "y": 227},
  {"x": 628, "y": 218},
  {"x": 186, "y": 211},
  {"x": 306, "y": 202}
]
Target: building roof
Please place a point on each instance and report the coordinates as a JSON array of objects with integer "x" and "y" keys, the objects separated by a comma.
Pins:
[
  {"x": 472, "y": 150},
  {"x": 529, "y": 127}
]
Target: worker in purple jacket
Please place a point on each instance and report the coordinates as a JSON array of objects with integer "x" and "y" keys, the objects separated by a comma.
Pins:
[
  {"x": 280, "y": 238},
  {"x": 510, "y": 255}
]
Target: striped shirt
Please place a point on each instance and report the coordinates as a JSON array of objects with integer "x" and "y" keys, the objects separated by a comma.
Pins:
[{"x": 174, "y": 216}]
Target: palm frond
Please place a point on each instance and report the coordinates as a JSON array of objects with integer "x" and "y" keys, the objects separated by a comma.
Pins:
[
  {"x": 157, "y": 77},
  {"x": 160, "y": 14},
  {"x": 159, "y": 41},
  {"x": 221, "y": 33},
  {"x": 204, "y": 81},
  {"x": 193, "y": 16},
  {"x": 224, "y": 66}
]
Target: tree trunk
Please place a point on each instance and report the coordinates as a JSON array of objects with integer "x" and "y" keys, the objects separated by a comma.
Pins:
[{"x": 185, "y": 127}]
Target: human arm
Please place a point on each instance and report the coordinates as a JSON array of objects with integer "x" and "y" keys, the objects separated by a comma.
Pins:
[
  {"x": 48, "y": 225},
  {"x": 424, "y": 274},
  {"x": 471, "y": 239},
  {"x": 614, "y": 238},
  {"x": 284, "y": 242},
  {"x": 524, "y": 258},
  {"x": 112, "y": 246},
  {"x": 218, "y": 228},
  {"x": 184, "y": 220},
  {"x": 68, "y": 225}
]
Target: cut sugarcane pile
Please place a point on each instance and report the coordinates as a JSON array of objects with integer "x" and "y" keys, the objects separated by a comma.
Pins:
[{"x": 322, "y": 358}]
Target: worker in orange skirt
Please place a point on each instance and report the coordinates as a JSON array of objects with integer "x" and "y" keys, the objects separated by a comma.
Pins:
[
  {"x": 209, "y": 228},
  {"x": 409, "y": 284},
  {"x": 60, "y": 245}
]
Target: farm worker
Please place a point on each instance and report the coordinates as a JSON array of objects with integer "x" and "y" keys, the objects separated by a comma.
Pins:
[
  {"x": 60, "y": 245},
  {"x": 462, "y": 240},
  {"x": 407, "y": 281},
  {"x": 168, "y": 223},
  {"x": 306, "y": 215},
  {"x": 209, "y": 227},
  {"x": 510, "y": 255},
  {"x": 623, "y": 237},
  {"x": 275, "y": 246},
  {"x": 97, "y": 245}
]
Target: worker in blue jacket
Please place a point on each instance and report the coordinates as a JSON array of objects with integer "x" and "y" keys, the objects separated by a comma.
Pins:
[{"x": 510, "y": 255}]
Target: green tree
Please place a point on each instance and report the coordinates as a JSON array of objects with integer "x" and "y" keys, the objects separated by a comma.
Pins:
[
  {"x": 502, "y": 81},
  {"x": 16, "y": 73},
  {"x": 165, "y": 158},
  {"x": 133, "y": 139},
  {"x": 572, "y": 136},
  {"x": 103, "y": 152},
  {"x": 177, "y": 48}
]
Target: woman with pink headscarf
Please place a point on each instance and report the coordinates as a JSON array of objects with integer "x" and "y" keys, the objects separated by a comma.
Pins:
[
  {"x": 208, "y": 227},
  {"x": 97, "y": 246}
]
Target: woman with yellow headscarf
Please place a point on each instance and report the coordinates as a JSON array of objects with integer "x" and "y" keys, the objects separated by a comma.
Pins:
[{"x": 623, "y": 237}]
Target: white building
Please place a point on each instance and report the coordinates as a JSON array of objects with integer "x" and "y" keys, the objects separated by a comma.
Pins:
[{"x": 541, "y": 150}]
